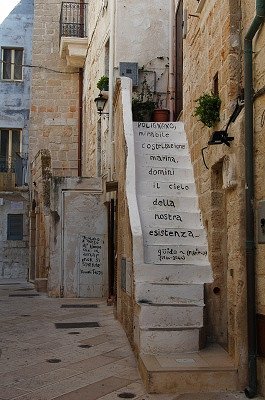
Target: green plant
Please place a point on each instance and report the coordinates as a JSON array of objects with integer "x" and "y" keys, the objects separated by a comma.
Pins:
[
  {"x": 143, "y": 103},
  {"x": 103, "y": 83},
  {"x": 208, "y": 109}
]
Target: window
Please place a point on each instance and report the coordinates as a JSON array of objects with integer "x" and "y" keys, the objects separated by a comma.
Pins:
[
  {"x": 10, "y": 148},
  {"x": 14, "y": 226},
  {"x": 216, "y": 84},
  {"x": 12, "y": 60}
]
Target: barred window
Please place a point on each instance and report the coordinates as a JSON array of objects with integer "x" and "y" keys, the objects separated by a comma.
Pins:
[{"x": 12, "y": 60}]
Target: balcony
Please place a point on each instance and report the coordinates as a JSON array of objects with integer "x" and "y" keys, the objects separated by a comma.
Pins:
[
  {"x": 73, "y": 33},
  {"x": 13, "y": 172}
]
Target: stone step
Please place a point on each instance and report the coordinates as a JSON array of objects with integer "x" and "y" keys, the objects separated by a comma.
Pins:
[
  {"x": 169, "y": 294},
  {"x": 153, "y": 132},
  {"x": 178, "y": 219},
  {"x": 176, "y": 254},
  {"x": 168, "y": 188},
  {"x": 173, "y": 274},
  {"x": 160, "y": 341},
  {"x": 167, "y": 203},
  {"x": 170, "y": 316},
  {"x": 155, "y": 159},
  {"x": 208, "y": 370},
  {"x": 165, "y": 174},
  {"x": 173, "y": 235},
  {"x": 171, "y": 149}
]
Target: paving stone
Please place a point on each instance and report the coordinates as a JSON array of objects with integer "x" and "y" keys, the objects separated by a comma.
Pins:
[
  {"x": 8, "y": 393},
  {"x": 100, "y": 372},
  {"x": 96, "y": 390},
  {"x": 95, "y": 340}
]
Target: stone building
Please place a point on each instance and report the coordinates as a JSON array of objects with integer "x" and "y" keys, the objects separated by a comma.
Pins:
[
  {"x": 214, "y": 55},
  {"x": 16, "y": 51},
  {"x": 115, "y": 204}
]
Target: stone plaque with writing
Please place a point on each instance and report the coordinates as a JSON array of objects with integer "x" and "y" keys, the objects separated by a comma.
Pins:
[{"x": 91, "y": 259}]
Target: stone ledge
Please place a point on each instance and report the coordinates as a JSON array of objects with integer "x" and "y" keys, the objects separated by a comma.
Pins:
[{"x": 74, "y": 49}]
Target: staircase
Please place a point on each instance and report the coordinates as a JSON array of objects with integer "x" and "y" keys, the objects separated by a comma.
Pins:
[
  {"x": 171, "y": 263},
  {"x": 174, "y": 241}
]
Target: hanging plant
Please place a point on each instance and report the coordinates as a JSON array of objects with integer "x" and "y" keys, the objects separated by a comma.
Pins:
[{"x": 208, "y": 109}]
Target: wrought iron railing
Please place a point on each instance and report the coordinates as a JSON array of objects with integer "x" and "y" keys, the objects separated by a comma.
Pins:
[
  {"x": 7, "y": 165},
  {"x": 73, "y": 19}
]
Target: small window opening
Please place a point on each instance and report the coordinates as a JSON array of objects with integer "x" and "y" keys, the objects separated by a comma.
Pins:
[
  {"x": 216, "y": 84},
  {"x": 14, "y": 226}
]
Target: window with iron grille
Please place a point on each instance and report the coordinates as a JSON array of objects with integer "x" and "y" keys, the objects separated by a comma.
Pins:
[
  {"x": 12, "y": 60},
  {"x": 14, "y": 226},
  {"x": 10, "y": 148}
]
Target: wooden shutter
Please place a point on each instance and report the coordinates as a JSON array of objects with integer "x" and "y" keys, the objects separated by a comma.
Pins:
[{"x": 14, "y": 226}]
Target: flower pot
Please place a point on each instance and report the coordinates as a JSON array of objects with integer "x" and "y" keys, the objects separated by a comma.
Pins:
[
  {"x": 161, "y": 115},
  {"x": 105, "y": 94}
]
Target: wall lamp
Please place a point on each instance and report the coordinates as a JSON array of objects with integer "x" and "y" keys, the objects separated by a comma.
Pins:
[
  {"x": 220, "y": 137},
  {"x": 100, "y": 104}
]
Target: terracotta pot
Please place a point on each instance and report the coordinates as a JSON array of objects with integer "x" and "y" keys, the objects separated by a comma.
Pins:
[{"x": 161, "y": 115}]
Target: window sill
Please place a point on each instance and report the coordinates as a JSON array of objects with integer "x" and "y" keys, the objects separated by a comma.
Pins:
[
  {"x": 12, "y": 80},
  {"x": 200, "y": 6}
]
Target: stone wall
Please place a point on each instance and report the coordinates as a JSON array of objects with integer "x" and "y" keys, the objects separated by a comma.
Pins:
[
  {"x": 54, "y": 95},
  {"x": 40, "y": 206},
  {"x": 212, "y": 53},
  {"x": 14, "y": 253},
  {"x": 16, "y": 31},
  {"x": 141, "y": 36},
  {"x": 125, "y": 298}
]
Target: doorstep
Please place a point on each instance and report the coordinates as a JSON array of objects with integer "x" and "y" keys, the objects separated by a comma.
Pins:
[{"x": 208, "y": 370}]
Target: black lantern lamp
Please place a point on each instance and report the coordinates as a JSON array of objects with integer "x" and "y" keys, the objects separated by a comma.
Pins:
[
  {"x": 220, "y": 137},
  {"x": 100, "y": 103}
]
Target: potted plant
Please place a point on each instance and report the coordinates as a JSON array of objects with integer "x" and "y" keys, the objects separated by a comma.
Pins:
[
  {"x": 143, "y": 104},
  {"x": 160, "y": 114},
  {"x": 208, "y": 109},
  {"x": 103, "y": 83}
]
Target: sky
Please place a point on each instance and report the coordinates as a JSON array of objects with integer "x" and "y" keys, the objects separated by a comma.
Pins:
[{"x": 6, "y": 6}]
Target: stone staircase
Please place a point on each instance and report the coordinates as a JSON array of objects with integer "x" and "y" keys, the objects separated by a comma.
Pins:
[
  {"x": 171, "y": 310},
  {"x": 171, "y": 262}
]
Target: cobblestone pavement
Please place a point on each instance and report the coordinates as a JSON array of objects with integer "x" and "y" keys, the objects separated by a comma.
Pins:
[{"x": 41, "y": 361}]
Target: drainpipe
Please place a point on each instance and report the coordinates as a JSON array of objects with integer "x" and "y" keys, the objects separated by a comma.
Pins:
[
  {"x": 251, "y": 390},
  {"x": 80, "y": 124},
  {"x": 171, "y": 58},
  {"x": 111, "y": 86}
]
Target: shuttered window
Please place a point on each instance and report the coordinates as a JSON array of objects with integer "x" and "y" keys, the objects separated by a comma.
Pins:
[
  {"x": 14, "y": 226},
  {"x": 12, "y": 60},
  {"x": 10, "y": 148}
]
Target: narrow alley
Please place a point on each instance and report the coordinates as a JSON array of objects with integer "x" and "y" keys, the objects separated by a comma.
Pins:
[{"x": 49, "y": 351}]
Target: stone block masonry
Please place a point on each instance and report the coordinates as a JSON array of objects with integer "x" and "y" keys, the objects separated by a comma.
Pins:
[{"x": 54, "y": 99}]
